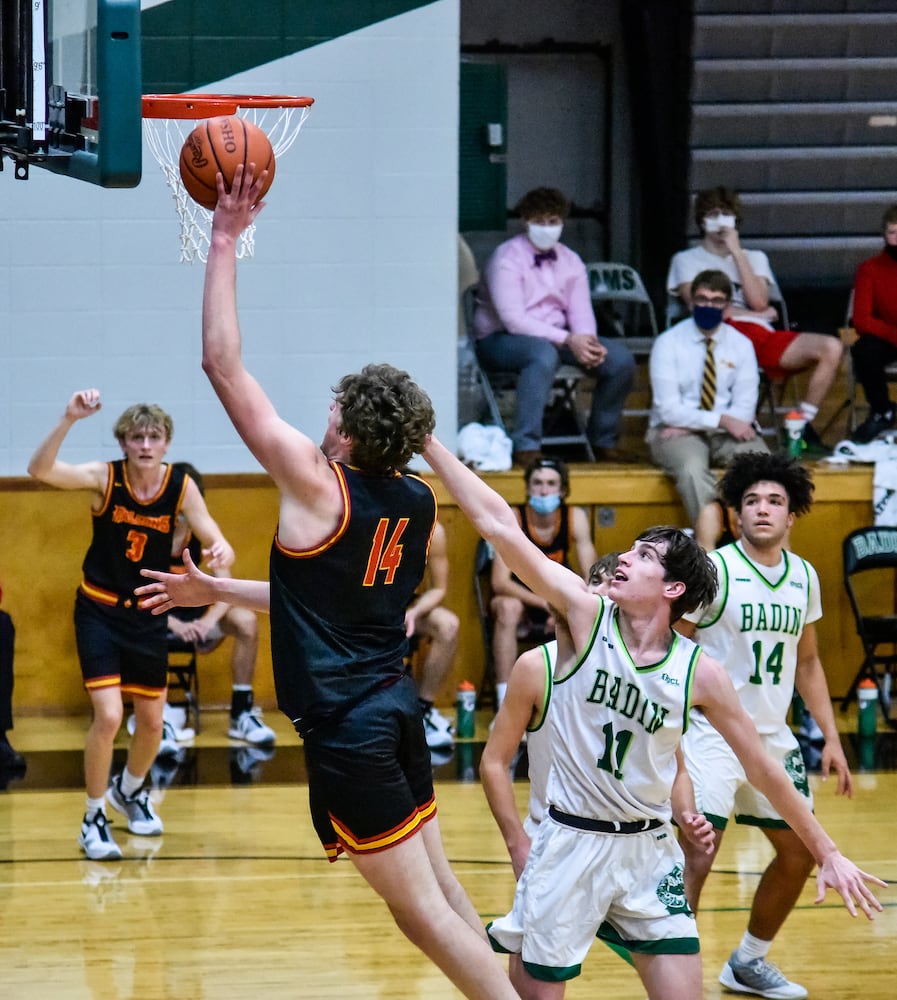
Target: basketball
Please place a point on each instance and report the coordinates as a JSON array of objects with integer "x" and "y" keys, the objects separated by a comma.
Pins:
[{"x": 220, "y": 144}]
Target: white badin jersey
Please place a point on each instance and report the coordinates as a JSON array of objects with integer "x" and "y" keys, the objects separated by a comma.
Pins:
[
  {"x": 537, "y": 749},
  {"x": 616, "y": 727},
  {"x": 754, "y": 625}
]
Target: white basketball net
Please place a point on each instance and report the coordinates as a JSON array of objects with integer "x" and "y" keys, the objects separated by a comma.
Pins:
[{"x": 166, "y": 136}]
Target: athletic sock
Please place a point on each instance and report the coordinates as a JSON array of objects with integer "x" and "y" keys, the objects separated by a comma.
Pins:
[
  {"x": 425, "y": 705},
  {"x": 94, "y": 806},
  {"x": 130, "y": 785},
  {"x": 808, "y": 411},
  {"x": 240, "y": 700},
  {"x": 752, "y": 947},
  {"x": 501, "y": 689}
]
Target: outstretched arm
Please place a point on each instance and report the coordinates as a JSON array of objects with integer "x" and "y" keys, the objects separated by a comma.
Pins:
[
  {"x": 526, "y": 693},
  {"x": 813, "y": 688},
  {"x": 713, "y": 692},
  {"x": 693, "y": 824},
  {"x": 195, "y": 589},
  {"x": 495, "y": 521},
  {"x": 45, "y": 464},
  {"x": 293, "y": 460}
]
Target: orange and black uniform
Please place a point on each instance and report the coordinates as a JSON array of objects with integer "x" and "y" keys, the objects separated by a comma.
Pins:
[
  {"x": 338, "y": 646},
  {"x": 557, "y": 550},
  {"x": 117, "y": 642}
]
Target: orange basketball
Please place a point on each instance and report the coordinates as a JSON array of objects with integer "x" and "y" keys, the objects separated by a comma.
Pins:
[{"x": 219, "y": 144}]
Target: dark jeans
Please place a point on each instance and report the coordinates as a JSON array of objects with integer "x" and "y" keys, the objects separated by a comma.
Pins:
[
  {"x": 535, "y": 360},
  {"x": 870, "y": 357}
]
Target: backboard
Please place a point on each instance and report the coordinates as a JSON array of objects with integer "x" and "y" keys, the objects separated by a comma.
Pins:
[{"x": 70, "y": 89}]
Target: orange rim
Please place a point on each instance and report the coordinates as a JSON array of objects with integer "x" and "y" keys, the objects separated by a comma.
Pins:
[{"x": 196, "y": 106}]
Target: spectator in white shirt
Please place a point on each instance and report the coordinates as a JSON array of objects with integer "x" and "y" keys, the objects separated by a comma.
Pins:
[
  {"x": 780, "y": 353},
  {"x": 685, "y": 437}
]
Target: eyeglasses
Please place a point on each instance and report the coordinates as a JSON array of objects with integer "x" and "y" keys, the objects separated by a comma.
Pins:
[{"x": 718, "y": 301}]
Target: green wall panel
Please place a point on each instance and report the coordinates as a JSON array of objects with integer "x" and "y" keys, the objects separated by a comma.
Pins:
[{"x": 188, "y": 44}]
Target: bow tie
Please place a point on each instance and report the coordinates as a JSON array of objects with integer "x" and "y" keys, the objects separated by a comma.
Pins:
[{"x": 547, "y": 255}]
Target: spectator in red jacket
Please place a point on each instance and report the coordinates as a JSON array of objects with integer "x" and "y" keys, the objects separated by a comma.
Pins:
[{"x": 875, "y": 319}]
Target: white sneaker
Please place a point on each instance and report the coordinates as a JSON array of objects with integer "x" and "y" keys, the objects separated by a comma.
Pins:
[
  {"x": 248, "y": 726},
  {"x": 760, "y": 978},
  {"x": 142, "y": 818},
  {"x": 172, "y": 733},
  {"x": 96, "y": 840},
  {"x": 438, "y": 729}
]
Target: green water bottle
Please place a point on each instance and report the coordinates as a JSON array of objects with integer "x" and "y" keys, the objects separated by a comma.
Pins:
[
  {"x": 794, "y": 426},
  {"x": 867, "y": 703},
  {"x": 466, "y": 722}
]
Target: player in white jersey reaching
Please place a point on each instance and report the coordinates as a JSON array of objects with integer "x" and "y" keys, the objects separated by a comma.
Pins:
[
  {"x": 605, "y": 859},
  {"x": 524, "y": 715},
  {"x": 761, "y": 628}
]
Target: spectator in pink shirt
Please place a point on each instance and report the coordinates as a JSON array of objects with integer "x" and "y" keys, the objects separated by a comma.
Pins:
[{"x": 533, "y": 313}]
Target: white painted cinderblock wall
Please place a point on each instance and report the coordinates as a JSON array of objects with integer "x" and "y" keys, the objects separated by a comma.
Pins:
[{"x": 355, "y": 261}]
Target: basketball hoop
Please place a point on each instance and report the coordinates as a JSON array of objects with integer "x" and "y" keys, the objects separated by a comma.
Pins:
[{"x": 169, "y": 118}]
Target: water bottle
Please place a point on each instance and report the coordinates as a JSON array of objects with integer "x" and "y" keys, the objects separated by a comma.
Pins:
[
  {"x": 867, "y": 700},
  {"x": 794, "y": 425},
  {"x": 466, "y": 768},
  {"x": 466, "y": 723}
]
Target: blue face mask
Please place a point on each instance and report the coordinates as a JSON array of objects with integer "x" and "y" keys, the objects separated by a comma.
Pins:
[
  {"x": 545, "y": 505},
  {"x": 707, "y": 317}
]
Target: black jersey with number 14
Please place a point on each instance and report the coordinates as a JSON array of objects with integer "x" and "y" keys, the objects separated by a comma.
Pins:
[{"x": 338, "y": 610}]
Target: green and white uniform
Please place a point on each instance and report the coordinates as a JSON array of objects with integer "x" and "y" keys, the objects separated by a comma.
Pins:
[
  {"x": 605, "y": 859},
  {"x": 753, "y": 627}
]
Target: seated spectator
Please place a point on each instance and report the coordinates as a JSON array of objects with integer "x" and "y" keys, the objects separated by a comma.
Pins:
[
  {"x": 779, "y": 352},
  {"x": 12, "y": 763},
  {"x": 875, "y": 319},
  {"x": 716, "y": 526},
  {"x": 208, "y": 627},
  {"x": 557, "y": 529},
  {"x": 428, "y": 618},
  {"x": 704, "y": 383},
  {"x": 533, "y": 313}
]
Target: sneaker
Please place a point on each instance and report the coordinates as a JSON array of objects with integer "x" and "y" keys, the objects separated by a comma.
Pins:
[
  {"x": 250, "y": 728},
  {"x": 759, "y": 977},
  {"x": 96, "y": 840},
  {"x": 813, "y": 445},
  {"x": 246, "y": 763},
  {"x": 169, "y": 746},
  {"x": 438, "y": 730},
  {"x": 172, "y": 734},
  {"x": 142, "y": 819},
  {"x": 872, "y": 426}
]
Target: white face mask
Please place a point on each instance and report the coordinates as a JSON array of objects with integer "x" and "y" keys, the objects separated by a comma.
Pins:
[
  {"x": 543, "y": 237},
  {"x": 714, "y": 223}
]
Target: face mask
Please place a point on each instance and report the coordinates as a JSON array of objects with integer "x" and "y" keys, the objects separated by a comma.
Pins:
[
  {"x": 707, "y": 317},
  {"x": 713, "y": 224},
  {"x": 891, "y": 251},
  {"x": 543, "y": 237},
  {"x": 545, "y": 505}
]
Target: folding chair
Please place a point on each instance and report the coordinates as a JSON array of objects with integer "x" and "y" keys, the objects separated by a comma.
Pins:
[
  {"x": 871, "y": 553},
  {"x": 482, "y": 587},
  {"x": 621, "y": 300},
  {"x": 183, "y": 677},
  {"x": 484, "y": 390}
]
